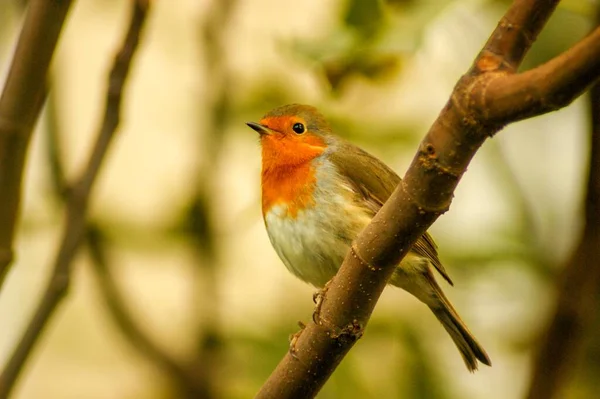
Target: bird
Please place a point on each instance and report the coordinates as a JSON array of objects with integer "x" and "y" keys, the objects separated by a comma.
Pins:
[{"x": 319, "y": 191}]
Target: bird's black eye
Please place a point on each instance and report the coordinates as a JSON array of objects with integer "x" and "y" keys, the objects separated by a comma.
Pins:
[{"x": 298, "y": 128}]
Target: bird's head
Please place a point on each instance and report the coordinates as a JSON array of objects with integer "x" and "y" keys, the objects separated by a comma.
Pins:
[{"x": 292, "y": 135}]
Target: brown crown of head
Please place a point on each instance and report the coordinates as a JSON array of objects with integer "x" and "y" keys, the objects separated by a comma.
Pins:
[{"x": 285, "y": 119}]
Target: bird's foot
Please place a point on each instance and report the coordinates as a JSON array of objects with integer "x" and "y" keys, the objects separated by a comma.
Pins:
[
  {"x": 318, "y": 297},
  {"x": 294, "y": 339}
]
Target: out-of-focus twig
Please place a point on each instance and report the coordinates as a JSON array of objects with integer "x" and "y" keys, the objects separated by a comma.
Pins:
[
  {"x": 200, "y": 223},
  {"x": 578, "y": 286},
  {"x": 184, "y": 376},
  {"x": 77, "y": 203},
  {"x": 54, "y": 147},
  {"x": 20, "y": 104},
  {"x": 195, "y": 378}
]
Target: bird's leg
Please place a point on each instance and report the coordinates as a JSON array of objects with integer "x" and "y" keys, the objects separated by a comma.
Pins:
[
  {"x": 294, "y": 339},
  {"x": 318, "y": 300}
]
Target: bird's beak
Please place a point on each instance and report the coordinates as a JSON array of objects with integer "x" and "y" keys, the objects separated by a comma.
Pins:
[{"x": 261, "y": 129}]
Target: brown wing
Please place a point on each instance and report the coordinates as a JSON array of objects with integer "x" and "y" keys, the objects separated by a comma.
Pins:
[
  {"x": 425, "y": 246},
  {"x": 375, "y": 181}
]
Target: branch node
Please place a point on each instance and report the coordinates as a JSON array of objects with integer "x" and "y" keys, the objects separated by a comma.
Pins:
[
  {"x": 346, "y": 335},
  {"x": 429, "y": 159},
  {"x": 488, "y": 61},
  {"x": 352, "y": 332},
  {"x": 363, "y": 262},
  {"x": 475, "y": 96},
  {"x": 318, "y": 298},
  {"x": 462, "y": 99},
  {"x": 294, "y": 340},
  {"x": 507, "y": 24}
]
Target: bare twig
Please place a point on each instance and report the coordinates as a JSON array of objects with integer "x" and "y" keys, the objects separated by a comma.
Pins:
[
  {"x": 579, "y": 285},
  {"x": 120, "y": 314},
  {"x": 54, "y": 147},
  {"x": 20, "y": 105},
  {"x": 202, "y": 228},
  {"x": 424, "y": 194},
  {"x": 516, "y": 32},
  {"x": 185, "y": 376},
  {"x": 77, "y": 203},
  {"x": 198, "y": 377},
  {"x": 546, "y": 88}
]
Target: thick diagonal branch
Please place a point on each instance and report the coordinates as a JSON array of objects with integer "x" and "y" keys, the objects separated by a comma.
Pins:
[
  {"x": 425, "y": 192},
  {"x": 20, "y": 104},
  {"x": 77, "y": 203}
]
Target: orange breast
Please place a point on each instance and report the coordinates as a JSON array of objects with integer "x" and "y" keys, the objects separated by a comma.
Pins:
[
  {"x": 288, "y": 175},
  {"x": 291, "y": 186}
]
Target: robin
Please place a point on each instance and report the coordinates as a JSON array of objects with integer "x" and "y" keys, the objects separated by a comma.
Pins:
[{"x": 319, "y": 192}]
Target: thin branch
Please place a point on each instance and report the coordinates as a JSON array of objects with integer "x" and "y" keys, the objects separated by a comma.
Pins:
[
  {"x": 77, "y": 203},
  {"x": 514, "y": 35},
  {"x": 549, "y": 87},
  {"x": 201, "y": 226},
  {"x": 54, "y": 147},
  {"x": 579, "y": 285},
  {"x": 424, "y": 194},
  {"x": 185, "y": 376},
  {"x": 20, "y": 104},
  {"x": 118, "y": 311}
]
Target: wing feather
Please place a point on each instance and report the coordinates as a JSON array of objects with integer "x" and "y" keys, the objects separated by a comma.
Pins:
[{"x": 375, "y": 182}]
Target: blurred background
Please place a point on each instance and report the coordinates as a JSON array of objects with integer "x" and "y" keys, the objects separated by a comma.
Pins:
[{"x": 178, "y": 289}]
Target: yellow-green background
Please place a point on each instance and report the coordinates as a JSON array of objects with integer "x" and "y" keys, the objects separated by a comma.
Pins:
[{"x": 380, "y": 71}]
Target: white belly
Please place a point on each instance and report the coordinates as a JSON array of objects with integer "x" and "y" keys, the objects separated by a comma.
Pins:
[{"x": 314, "y": 243}]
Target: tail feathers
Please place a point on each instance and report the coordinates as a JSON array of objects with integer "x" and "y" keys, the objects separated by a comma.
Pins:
[
  {"x": 469, "y": 348},
  {"x": 415, "y": 276}
]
